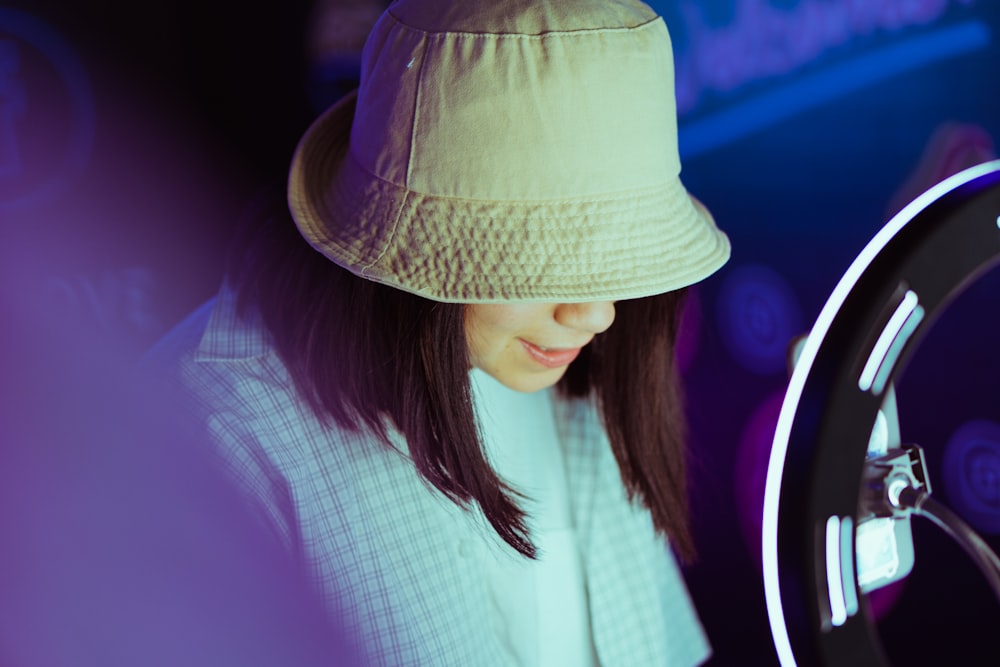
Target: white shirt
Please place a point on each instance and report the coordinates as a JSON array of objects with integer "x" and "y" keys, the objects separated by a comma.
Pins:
[{"x": 541, "y": 610}]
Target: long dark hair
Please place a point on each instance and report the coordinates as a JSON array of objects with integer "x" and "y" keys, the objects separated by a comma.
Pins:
[{"x": 359, "y": 352}]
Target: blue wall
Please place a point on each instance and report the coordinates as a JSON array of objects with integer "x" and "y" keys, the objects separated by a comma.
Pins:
[{"x": 804, "y": 126}]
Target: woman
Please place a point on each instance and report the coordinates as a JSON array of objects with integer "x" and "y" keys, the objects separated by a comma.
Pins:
[{"x": 457, "y": 403}]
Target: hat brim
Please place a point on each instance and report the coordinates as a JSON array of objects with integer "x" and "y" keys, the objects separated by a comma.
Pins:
[{"x": 620, "y": 246}]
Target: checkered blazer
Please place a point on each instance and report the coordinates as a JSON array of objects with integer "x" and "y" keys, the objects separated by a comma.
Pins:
[{"x": 396, "y": 560}]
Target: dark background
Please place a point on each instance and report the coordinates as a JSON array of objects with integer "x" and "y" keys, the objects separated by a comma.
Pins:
[{"x": 134, "y": 137}]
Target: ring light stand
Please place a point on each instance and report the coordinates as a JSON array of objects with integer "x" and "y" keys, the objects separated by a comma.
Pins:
[{"x": 818, "y": 476}]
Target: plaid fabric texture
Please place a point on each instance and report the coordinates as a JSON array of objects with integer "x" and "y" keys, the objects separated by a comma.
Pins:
[{"x": 397, "y": 562}]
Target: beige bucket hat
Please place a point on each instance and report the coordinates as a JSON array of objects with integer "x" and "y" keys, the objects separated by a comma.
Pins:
[{"x": 523, "y": 150}]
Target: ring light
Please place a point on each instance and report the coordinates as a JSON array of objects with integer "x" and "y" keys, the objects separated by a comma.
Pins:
[{"x": 872, "y": 322}]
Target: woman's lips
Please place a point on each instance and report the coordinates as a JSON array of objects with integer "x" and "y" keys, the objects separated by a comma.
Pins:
[{"x": 551, "y": 357}]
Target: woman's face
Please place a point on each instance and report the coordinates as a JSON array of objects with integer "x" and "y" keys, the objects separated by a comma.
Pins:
[{"x": 528, "y": 346}]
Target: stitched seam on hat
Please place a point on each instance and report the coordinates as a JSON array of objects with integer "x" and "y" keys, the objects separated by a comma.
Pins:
[
  {"x": 527, "y": 203},
  {"x": 611, "y": 197},
  {"x": 416, "y": 110},
  {"x": 409, "y": 159},
  {"x": 549, "y": 33}
]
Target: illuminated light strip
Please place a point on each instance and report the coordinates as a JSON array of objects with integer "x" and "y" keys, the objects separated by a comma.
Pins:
[
  {"x": 741, "y": 120},
  {"x": 775, "y": 467},
  {"x": 840, "y": 569},
  {"x": 834, "y": 576},
  {"x": 885, "y": 370},
  {"x": 890, "y": 333},
  {"x": 847, "y": 566}
]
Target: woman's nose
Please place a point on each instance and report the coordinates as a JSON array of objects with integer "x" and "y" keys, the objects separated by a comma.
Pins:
[{"x": 593, "y": 317}]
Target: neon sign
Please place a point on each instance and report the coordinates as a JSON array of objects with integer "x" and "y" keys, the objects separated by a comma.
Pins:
[
  {"x": 47, "y": 112},
  {"x": 764, "y": 41}
]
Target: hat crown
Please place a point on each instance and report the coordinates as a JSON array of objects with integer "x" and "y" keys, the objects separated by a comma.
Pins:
[
  {"x": 501, "y": 151},
  {"x": 521, "y": 17},
  {"x": 517, "y": 100}
]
